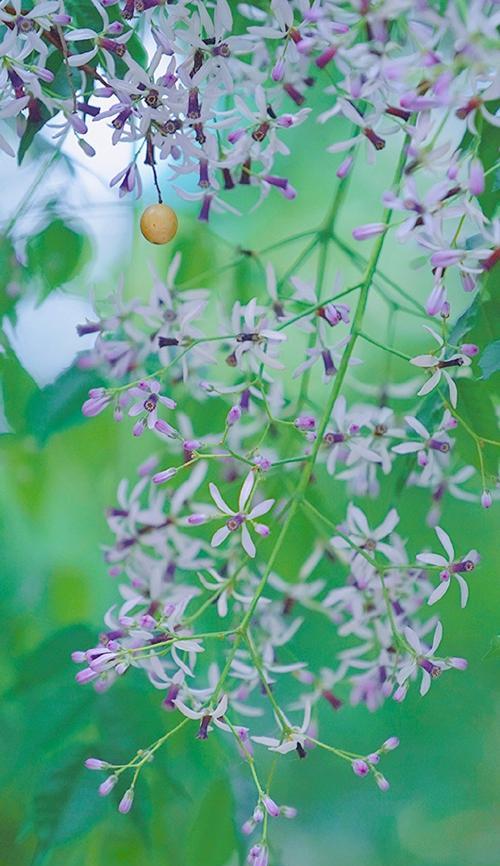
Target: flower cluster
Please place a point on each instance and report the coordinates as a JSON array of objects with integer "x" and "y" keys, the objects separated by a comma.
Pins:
[{"x": 215, "y": 96}]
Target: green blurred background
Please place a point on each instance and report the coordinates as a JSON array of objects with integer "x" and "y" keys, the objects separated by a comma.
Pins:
[{"x": 59, "y": 475}]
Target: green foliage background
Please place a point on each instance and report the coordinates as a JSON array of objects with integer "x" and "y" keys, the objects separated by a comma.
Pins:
[{"x": 60, "y": 473}]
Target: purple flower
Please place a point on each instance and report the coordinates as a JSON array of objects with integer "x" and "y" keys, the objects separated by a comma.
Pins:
[
  {"x": 148, "y": 394},
  {"x": 237, "y": 520}
]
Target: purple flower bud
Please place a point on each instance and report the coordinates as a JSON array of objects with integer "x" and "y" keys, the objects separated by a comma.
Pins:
[
  {"x": 96, "y": 764},
  {"x": 305, "y": 422},
  {"x": 164, "y": 428},
  {"x": 115, "y": 28},
  {"x": 95, "y": 405},
  {"x": 270, "y": 806},
  {"x": 138, "y": 428},
  {"x": 233, "y": 416},
  {"x": 486, "y": 499},
  {"x": 278, "y": 71},
  {"x": 78, "y": 657},
  {"x": 86, "y": 147},
  {"x": 165, "y": 475},
  {"x": 107, "y": 785},
  {"x": 360, "y": 768},
  {"x": 86, "y": 676},
  {"x": 262, "y": 462},
  {"x": 261, "y": 529},
  {"x": 126, "y": 801},
  {"x": 458, "y": 663},
  {"x": 44, "y": 74},
  {"x": 382, "y": 782},
  {"x": 61, "y": 19},
  {"x": 77, "y": 123},
  {"x": 344, "y": 167},
  {"x": 390, "y": 744},
  {"x": 400, "y": 693},
  {"x": 436, "y": 300},
  {"x": 469, "y": 349},
  {"x": 374, "y": 758},
  {"x": 258, "y": 815},
  {"x": 196, "y": 519},
  {"x": 476, "y": 177},
  {"x": 370, "y": 230}
]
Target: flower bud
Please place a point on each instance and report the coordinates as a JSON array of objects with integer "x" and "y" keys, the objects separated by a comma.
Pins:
[
  {"x": 469, "y": 349},
  {"x": 164, "y": 475},
  {"x": 96, "y": 764},
  {"x": 360, "y": 768},
  {"x": 233, "y": 416},
  {"x": 126, "y": 801},
  {"x": 486, "y": 499},
  {"x": 370, "y": 230},
  {"x": 305, "y": 422},
  {"x": 390, "y": 744},
  {"x": 270, "y": 806},
  {"x": 107, "y": 785}
]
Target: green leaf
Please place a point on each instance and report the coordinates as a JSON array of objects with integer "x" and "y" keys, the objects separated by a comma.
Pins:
[
  {"x": 55, "y": 655},
  {"x": 38, "y": 116},
  {"x": 212, "y": 839},
  {"x": 59, "y": 406},
  {"x": 494, "y": 649},
  {"x": 476, "y": 408},
  {"x": 84, "y": 14},
  {"x": 65, "y": 804},
  {"x": 18, "y": 387},
  {"x": 9, "y": 268},
  {"x": 490, "y": 359},
  {"x": 57, "y": 253}
]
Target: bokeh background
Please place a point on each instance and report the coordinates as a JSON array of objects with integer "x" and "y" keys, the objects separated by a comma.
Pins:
[{"x": 77, "y": 243}]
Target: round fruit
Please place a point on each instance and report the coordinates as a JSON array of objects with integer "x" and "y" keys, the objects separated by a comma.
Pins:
[{"x": 159, "y": 223}]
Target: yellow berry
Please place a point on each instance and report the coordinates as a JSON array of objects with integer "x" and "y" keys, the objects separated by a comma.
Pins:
[{"x": 159, "y": 223}]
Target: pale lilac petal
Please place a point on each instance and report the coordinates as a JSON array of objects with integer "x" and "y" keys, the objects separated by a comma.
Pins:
[
  {"x": 261, "y": 508},
  {"x": 446, "y": 542},
  {"x": 438, "y": 592},
  {"x": 247, "y": 542},
  {"x": 432, "y": 559},
  {"x": 246, "y": 490},
  {"x": 464, "y": 590},
  {"x": 430, "y": 384},
  {"x": 219, "y": 536},
  {"x": 217, "y": 498}
]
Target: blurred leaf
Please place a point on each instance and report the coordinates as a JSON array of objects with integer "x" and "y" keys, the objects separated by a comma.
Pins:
[
  {"x": 466, "y": 321},
  {"x": 8, "y": 267},
  {"x": 494, "y": 649},
  {"x": 57, "y": 253},
  {"x": 490, "y": 359},
  {"x": 488, "y": 154},
  {"x": 45, "y": 691},
  {"x": 84, "y": 14},
  {"x": 475, "y": 406},
  {"x": 59, "y": 406},
  {"x": 18, "y": 386},
  {"x": 65, "y": 803},
  {"x": 38, "y": 116},
  {"x": 212, "y": 839},
  {"x": 55, "y": 656}
]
